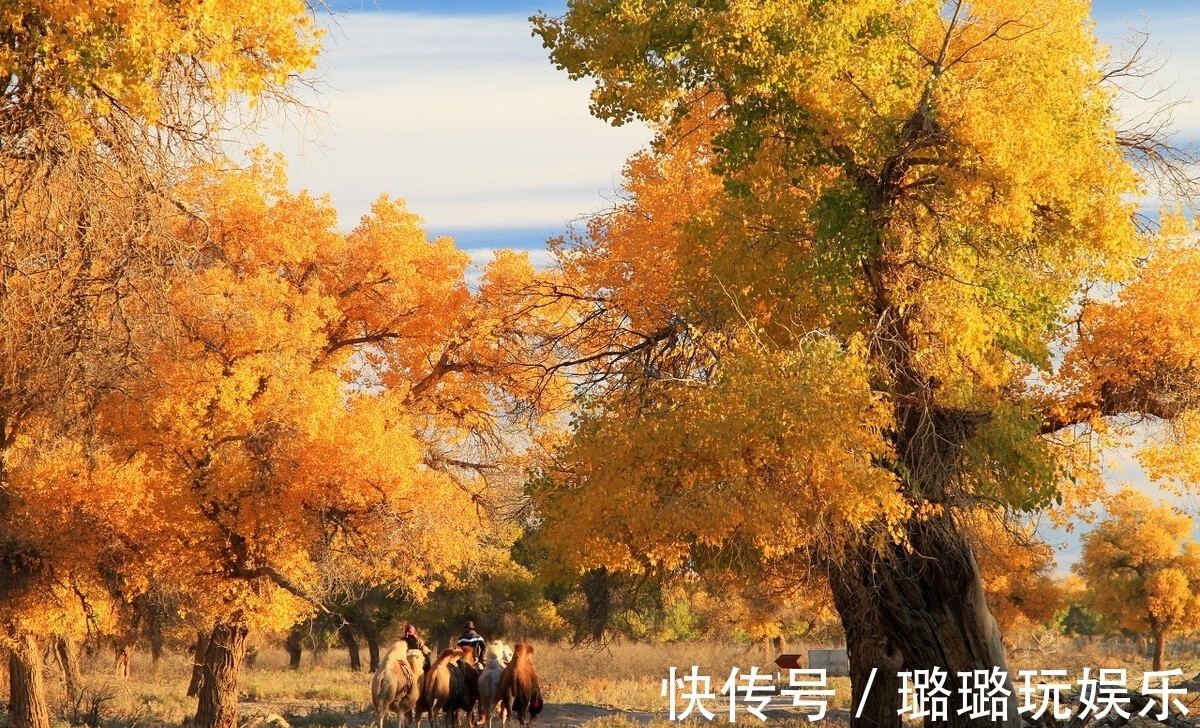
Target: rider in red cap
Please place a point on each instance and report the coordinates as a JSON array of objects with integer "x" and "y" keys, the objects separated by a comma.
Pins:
[{"x": 415, "y": 643}]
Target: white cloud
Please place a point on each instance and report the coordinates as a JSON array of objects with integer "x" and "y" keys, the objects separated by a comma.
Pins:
[
  {"x": 462, "y": 116},
  {"x": 465, "y": 118},
  {"x": 541, "y": 258}
]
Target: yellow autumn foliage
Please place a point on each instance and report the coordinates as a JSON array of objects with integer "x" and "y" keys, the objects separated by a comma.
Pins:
[
  {"x": 105, "y": 63},
  {"x": 767, "y": 429},
  {"x": 305, "y": 397},
  {"x": 1142, "y": 568},
  {"x": 831, "y": 324}
]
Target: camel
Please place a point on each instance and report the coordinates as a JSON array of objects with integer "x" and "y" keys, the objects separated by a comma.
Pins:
[
  {"x": 519, "y": 691},
  {"x": 451, "y": 685},
  {"x": 397, "y": 683},
  {"x": 496, "y": 658}
]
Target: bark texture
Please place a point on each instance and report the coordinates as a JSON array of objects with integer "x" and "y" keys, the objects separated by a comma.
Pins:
[
  {"x": 217, "y": 706},
  {"x": 919, "y": 605},
  {"x": 67, "y": 653},
  {"x": 905, "y": 611},
  {"x": 199, "y": 650},
  {"x": 868, "y": 648},
  {"x": 27, "y": 692}
]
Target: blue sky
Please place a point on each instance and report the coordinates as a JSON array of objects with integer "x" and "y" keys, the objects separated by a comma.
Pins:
[{"x": 482, "y": 7}]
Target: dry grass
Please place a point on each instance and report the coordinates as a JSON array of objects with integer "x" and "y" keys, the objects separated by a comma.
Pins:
[
  {"x": 1044, "y": 650},
  {"x": 325, "y": 678},
  {"x": 156, "y": 695},
  {"x": 629, "y": 676}
]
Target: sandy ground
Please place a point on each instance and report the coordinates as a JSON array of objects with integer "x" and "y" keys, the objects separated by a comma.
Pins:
[{"x": 569, "y": 715}]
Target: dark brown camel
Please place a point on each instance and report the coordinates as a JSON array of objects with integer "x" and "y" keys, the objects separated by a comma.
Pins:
[{"x": 519, "y": 691}]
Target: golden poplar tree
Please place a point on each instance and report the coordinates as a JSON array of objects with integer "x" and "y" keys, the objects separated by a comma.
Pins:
[
  {"x": 103, "y": 101},
  {"x": 819, "y": 330},
  {"x": 318, "y": 402},
  {"x": 1142, "y": 569}
]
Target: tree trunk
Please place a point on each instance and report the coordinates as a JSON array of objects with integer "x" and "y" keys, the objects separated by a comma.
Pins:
[
  {"x": 867, "y": 648},
  {"x": 373, "y": 650},
  {"x": 67, "y": 654},
  {"x": 370, "y": 631},
  {"x": 916, "y": 610},
  {"x": 27, "y": 693},
  {"x": 157, "y": 641},
  {"x": 122, "y": 654},
  {"x": 597, "y": 591},
  {"x": 199, "y": 650},
  {"x": 217, "y": 706},
  {"x": 346, "y": 633},
  {"x": 294, "y": 649},
  {"x": 918, "y": 605},
  {"x": 1160, "y": 649}
]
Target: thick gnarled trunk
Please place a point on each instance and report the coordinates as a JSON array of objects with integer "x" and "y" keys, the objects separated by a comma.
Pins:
[
  {"x": 917, "y": 610},
  {"x": 27, "y": 692},
  {"x": 199, "y": 650},
  {"x": 918, "y": 605},
  {"x": 868, "y": 649},
  {"x": 217, "y": 705}
]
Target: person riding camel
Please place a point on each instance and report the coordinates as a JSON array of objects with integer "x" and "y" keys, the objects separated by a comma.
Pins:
[
  {"x": 472, "y": 639},
  {"x": 415, "y": 642}
]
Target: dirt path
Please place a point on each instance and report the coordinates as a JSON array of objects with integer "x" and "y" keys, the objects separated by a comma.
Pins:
[
  {"x": 324, "y": 714},
  {"x": 321, "y": 714},
  {"x": 572, "y": 715}
]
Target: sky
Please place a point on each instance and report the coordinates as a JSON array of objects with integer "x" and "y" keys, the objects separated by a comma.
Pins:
[{"x": 453, "y": 106}]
